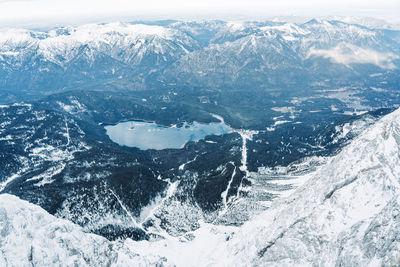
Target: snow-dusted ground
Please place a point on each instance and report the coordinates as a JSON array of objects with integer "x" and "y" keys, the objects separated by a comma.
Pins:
[
  {"x": 36, "y": 138},
  {"x": 346, "y": 213}
]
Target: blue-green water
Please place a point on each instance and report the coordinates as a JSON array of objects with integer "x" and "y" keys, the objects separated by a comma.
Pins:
[{"x": 149, "y": 135}]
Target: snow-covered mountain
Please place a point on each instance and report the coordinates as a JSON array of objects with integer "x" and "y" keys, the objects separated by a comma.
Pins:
[
  {"x": 87, "y": 55},
  {"x": 370, "y": 22},
  {"x": 256, "y": 54},
  {"x": 346, "y": 213},
  {"x": 119, "y": 56},
  {"x": 129, "y": 43}
]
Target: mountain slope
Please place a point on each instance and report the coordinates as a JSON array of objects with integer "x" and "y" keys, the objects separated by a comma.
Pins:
[
  {"x": 346, "y": 214},
  {"x": 32, "y": 237}
]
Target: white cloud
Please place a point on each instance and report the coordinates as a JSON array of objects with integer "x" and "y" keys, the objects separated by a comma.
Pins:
[{"x": 349, "y": 54}]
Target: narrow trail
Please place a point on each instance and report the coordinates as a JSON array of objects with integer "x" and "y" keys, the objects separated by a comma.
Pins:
[
  {"x": 245, "y": 135},
  {"x": 224, "y": 195},
  {"x": 126, "y": 210},
  {"x": 67, "y": 133}
]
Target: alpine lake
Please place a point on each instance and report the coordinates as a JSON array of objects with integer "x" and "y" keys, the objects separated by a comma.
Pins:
[{"x": 149, "y": 135}]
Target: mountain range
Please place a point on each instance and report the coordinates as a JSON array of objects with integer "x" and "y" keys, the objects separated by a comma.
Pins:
[{"x": 209, "y": 54}]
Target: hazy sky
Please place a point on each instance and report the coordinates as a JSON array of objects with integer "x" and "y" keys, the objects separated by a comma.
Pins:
[{"x": 42, "y": 12}]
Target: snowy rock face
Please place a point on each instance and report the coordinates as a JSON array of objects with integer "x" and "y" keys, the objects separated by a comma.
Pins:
[
  {"x": 347, "y": 214},
  {"x": 29, "y": 236}
]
